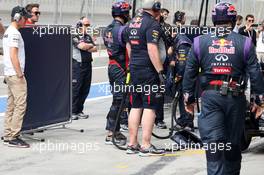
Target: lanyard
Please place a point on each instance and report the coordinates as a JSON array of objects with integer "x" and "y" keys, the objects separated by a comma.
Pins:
[{"x": 249, "y": 34}]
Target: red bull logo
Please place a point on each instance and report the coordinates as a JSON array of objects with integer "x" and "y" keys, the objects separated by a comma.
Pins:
[
  {"x": 222, "y": 43},
  {"x": 225, "y": 47},
  {"x": 222, "y": 50}
]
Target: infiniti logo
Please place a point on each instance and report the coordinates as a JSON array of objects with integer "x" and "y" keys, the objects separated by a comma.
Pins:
[
  {"x": 133, "y": 32},
  {"x": 221, "y": 57}
]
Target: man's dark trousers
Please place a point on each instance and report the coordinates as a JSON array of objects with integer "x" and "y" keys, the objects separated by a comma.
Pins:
[
  {"x": 82, "y": 77},
  {"x": 222, "y": 121}
]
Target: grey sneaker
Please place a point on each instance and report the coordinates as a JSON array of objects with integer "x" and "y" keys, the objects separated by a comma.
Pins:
[
  {"x": 120, "y": 139},
  {"x": 133, "y": 149},
  {"x": 83, "y": 116},
  {"x": 19, "y": 143},
  {"x": 124, "y": 128},
  {"x": 161, "y": 125},
  {"x": 151, "y": 151},
  {"x": 75, "y": 117}
]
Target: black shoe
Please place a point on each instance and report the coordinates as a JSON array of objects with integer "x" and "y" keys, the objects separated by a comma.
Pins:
[
  {"x": 18, "y": 143},
  {"x": 120, "y": 139},
  {"x": 5, "y": 142},
  {"x": 189, "y": 126},
  {"x": 161, "y": 125},
  {"x": 181, "y": 123},
  {"x": 151, "y": 151},
  {"x": 75, "y": 117},
  {"x": 133, "y": 149}
]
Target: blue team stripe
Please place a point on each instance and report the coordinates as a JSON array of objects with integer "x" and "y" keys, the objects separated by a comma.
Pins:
[{"x": 97, "y": 90}]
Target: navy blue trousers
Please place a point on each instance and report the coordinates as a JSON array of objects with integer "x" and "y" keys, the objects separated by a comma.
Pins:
[{"x": 222, "y": 123}]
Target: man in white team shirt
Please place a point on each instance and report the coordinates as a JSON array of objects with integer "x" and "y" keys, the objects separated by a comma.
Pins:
[{"x": 14, "y": 63}]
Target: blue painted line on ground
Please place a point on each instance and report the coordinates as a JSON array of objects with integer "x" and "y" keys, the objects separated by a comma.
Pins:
[{"x": 97, "y": 90}]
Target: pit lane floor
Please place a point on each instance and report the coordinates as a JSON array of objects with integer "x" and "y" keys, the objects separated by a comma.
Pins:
[{"x": 68, "y": 152}]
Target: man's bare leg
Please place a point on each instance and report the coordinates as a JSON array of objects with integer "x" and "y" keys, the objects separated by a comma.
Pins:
[
  {"x": 148, "y": 120},
  {"x": 133, "y": 124}
]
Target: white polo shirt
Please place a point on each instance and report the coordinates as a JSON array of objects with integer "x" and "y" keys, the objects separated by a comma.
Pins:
[
  {"x": 13, "y": 38},
  {"x": 260, "y": 43}
]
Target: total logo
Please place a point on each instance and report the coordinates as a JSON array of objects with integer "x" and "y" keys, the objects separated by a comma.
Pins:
[
  {"x": 221, "y": 70},
  {"x": 221, "y": 58}
]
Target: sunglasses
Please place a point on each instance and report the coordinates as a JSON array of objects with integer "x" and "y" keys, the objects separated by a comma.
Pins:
[
  {"x": 251, "y": 20},
  {"x": 86, "y": 25},
  {"x": 36, "y": 13}
]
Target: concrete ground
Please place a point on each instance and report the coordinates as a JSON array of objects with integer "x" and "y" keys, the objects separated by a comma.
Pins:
[{"x": 69, "y": 152}]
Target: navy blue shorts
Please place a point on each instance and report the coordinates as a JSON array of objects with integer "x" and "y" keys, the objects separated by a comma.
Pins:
[{"x": 145, "y": 84}]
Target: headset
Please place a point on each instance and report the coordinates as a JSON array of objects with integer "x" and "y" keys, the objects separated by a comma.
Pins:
[
  {"x": 156, "y": 6},
  {"x": 80, "y": 23},
  {"x": 17, "y": 17}
]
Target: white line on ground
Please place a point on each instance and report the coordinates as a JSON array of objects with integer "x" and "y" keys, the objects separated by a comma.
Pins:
[
  {"x": 98, "y": 98},
  {"x": 92, "y": 99},
  {"x": 94, "y": 68},
  {"x": 88, "y": 100},
  {"x": 100, "y": 67},
  {"x": 106, "y": 82}
]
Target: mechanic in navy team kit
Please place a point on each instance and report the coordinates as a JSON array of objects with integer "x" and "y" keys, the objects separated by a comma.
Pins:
[
  {"x": 114, "y": 40},
  {"x": 226, "y": 59},
  {"x": 83, "y": 46},
  {"x": 146, "y": 71},
  {"x": 165, "y": 42},
  {"x": 180, "y": 49}
]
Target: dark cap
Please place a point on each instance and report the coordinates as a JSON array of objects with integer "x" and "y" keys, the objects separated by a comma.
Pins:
[{"x": 21, "y": 10}]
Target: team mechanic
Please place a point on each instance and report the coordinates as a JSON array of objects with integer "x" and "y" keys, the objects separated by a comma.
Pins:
[
  {"x": 146, "y": 70},
  {"x": 181, "y": 47},
  {"x": 225, "y": 60},
  {"x": 114, "y": 40},
  {"x": 165, "y": 42},
  {"x": 83, "y": 46}
]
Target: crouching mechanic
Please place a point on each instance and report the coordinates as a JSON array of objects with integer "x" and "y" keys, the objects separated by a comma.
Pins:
[
  {"x": 114, "y": 40},
  {"x": 83, "y": 46},
  {"x": 146, "y": 71},
  {"x": 180, "y": 51},
  {"x": 226, "y": 59}
]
